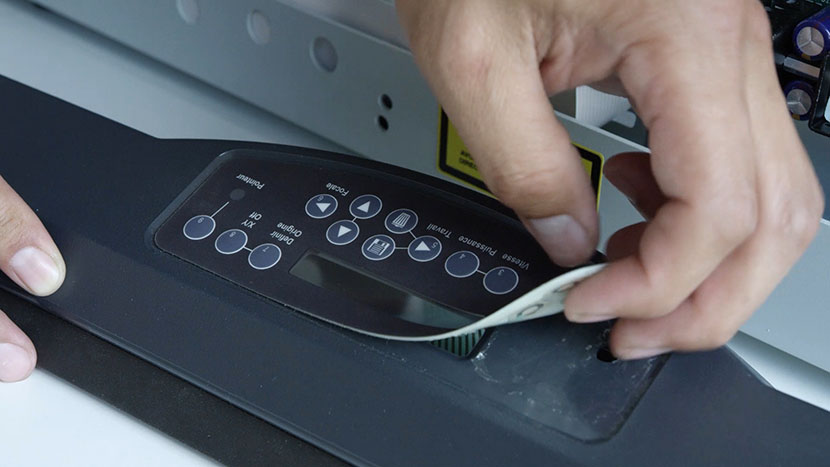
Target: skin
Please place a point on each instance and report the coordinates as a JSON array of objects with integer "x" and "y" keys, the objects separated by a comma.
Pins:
[
  {"x": 30, "y": 258},
  {"x": 729, "y": 194}
]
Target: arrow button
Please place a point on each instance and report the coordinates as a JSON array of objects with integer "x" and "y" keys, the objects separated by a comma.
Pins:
[
  {"x": 321, "y": 206},
  {"x": 365, "y": 206},
  {"x": 425, "y": 248},
  {"x": 342, "y": 232}
]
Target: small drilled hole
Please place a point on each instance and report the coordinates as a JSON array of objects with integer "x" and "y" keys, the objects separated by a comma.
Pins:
[
  {"x": 323, "y": 54},
  {"x": 383, "y": 123},
  {"x": 604, "y": 355},
  {"x": 259, "y": 28},
  {"x": 386, "y": 101},
  {"x": 188, "y": 10}
]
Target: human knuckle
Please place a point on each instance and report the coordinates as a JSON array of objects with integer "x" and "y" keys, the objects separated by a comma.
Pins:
[
  {"x": 797, "y": 220},
  {"x": 653, "y": 309},
  {"x": 711, "y": 332},
  {"x": 469, "y": 58},
  {"x": 659, "y": 302},
  {"x": 736, "y": 218},
  {"x": 460, "y": 45}
]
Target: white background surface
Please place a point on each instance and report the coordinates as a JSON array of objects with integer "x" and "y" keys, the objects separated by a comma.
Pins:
[{"x": 45, "y": 421}]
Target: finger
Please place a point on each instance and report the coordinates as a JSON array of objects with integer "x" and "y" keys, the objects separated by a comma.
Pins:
[
  {"x": 503, "y": 115},
  {"x": 17, "y": 354},
  {"x": 702, "y": 158},
  {"x": 625, "y": 241},
  {"x": 27, "y": 253},
  {"x": 790, "y": 208},
  {"x": 712, "y": 315},
  {"x": 631, "y": 174},
  {"x": 717, "y": 309}
]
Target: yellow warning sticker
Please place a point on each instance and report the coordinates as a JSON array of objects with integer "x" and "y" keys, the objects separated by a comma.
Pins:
[{"x": 455, "y": 160}]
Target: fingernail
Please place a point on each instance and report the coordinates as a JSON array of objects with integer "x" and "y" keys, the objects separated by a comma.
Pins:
[
  {"x": 15, "y": 362},
  {"x": 565, "y": 241},
  {"x": 638, "y": 353},
  {"x": 584, "y": 319},
  {"x": 36, "y": 271}
]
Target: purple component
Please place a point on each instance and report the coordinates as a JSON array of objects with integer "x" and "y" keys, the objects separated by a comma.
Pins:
[
  {"x": 811, "y": 37},
  {"x": 801, "y": 97}
]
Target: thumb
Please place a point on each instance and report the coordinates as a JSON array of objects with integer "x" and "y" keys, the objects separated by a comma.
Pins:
[
  {"x": 524, "y": 154},
  {"x": 27, "y": 253},
  {"x": 30, "y": 258}
]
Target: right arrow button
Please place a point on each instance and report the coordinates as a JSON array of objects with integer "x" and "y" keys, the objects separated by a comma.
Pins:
[
  {"x": 342, "y": 232},
  {"x": 424, "y": 249}
]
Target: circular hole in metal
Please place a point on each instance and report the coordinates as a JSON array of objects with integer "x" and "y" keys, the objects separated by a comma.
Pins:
[
  {"x": 323, "y": 54},
  {"x": 259, "y": 28},
  {"x": 382, "y": 122}
]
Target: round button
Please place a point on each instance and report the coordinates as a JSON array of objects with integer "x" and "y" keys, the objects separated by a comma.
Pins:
[
  {"x": 342, "y": 232},
  {"x": 199, "y": 227},
  {"x": 401, "y": 221},
  {"x": 501, "y": 280},
  {"x": 321, "y": 206},
  {"x": 424, "y": 249},
  {"x": 378, "y": 247},
  {"x": 461, "y": 264},
  {"x": 365, "y": 206},
  {"x": 231, "y": 241},
  {"x": 264, "y": 256}
]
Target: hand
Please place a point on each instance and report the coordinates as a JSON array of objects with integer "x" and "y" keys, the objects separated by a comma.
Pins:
[
  {"x": 730, "y": 197},
  {"x": 30, "y": 258}
]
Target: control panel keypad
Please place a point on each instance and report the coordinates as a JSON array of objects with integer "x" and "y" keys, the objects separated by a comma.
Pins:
[
  {"x": 461, "y": 264},
  {"x": 283, "y": 228},
  {"x": 378, "y": 247}
]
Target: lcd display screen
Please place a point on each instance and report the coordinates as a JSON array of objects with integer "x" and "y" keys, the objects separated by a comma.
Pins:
[{"x": 379, "y": 295}]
